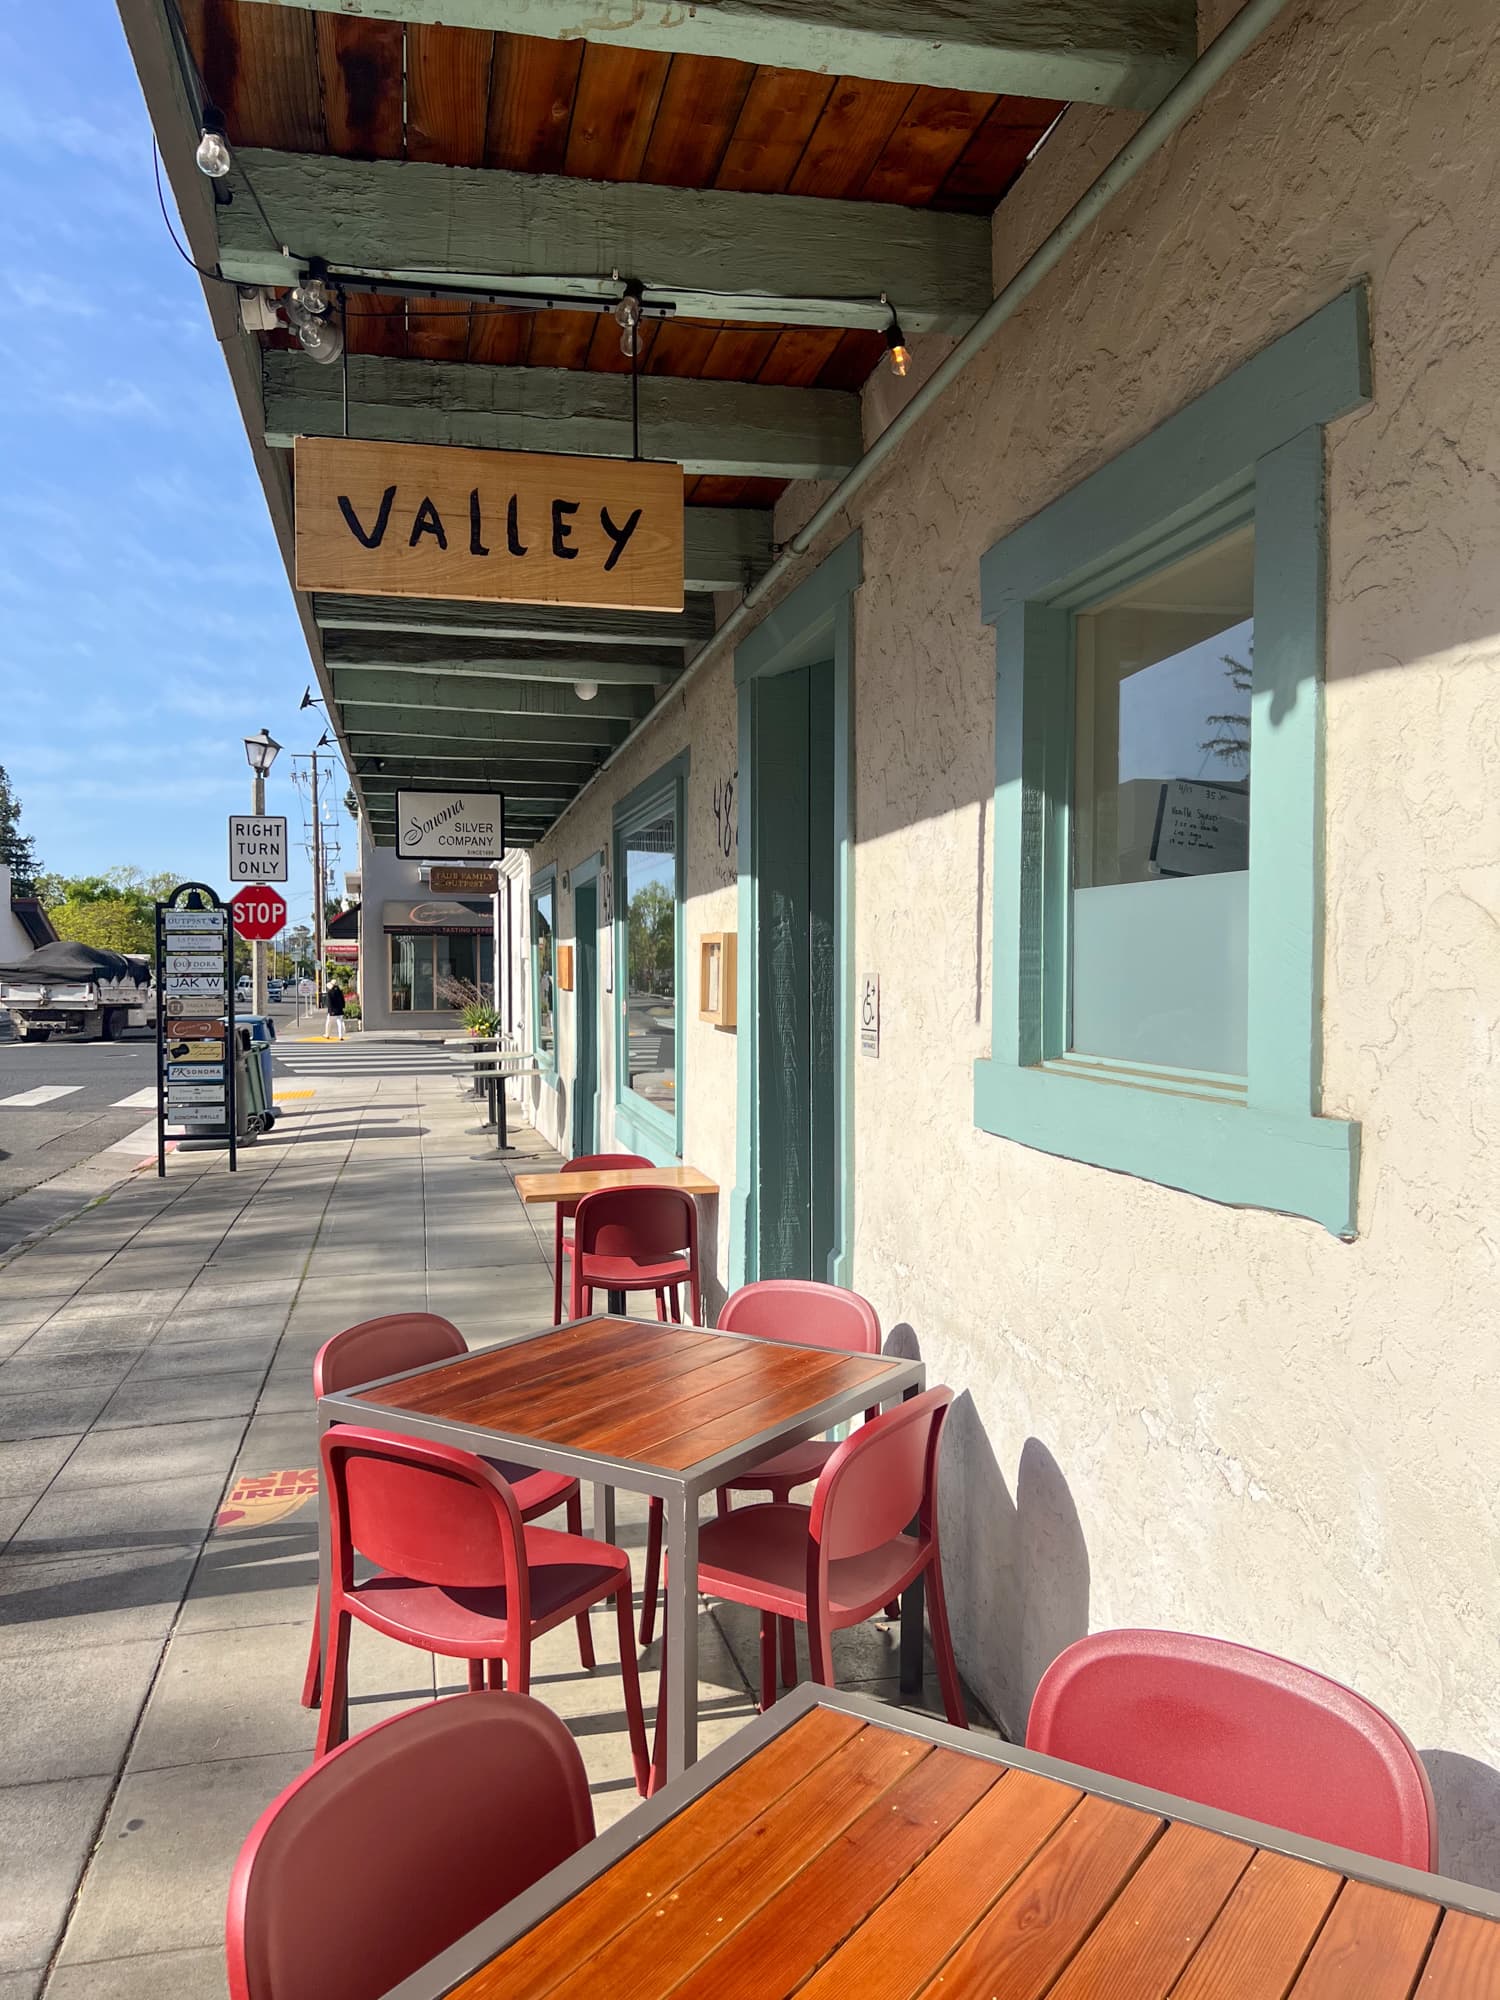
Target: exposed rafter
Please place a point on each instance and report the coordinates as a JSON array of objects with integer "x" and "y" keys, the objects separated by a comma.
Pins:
[
  {"x": 396, "y": 653},
  {"x": 1095, "y": 51},
  {"x": 414, "y": 723},
  {"x": 744, "y": 430},
  {"x": 714, "y": 255},
  {"x": 477, "y": 694},
  {"x": 526, "y": 624}
]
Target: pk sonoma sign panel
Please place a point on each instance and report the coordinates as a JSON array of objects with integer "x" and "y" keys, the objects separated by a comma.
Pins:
[{"x": 416, "y": 520}]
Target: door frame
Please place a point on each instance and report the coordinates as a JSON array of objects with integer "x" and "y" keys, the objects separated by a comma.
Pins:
[
  {"x": 812, "y": 627},
  {"x": 585, "y": 875}
]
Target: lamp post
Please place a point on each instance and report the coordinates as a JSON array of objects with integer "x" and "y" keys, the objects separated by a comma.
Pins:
[{"x": 260, "y": 754}]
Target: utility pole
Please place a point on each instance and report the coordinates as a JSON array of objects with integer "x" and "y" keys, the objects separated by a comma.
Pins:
[{"x": 318, "y": 886}]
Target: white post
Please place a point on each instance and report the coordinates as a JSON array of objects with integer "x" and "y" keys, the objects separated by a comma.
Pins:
[{"x": 257, "y": 949}]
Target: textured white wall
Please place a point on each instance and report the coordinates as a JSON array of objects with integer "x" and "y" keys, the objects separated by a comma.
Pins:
[{"x": 1173, "y": 1413}]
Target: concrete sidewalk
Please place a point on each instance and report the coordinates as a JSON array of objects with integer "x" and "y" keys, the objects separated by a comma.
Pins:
[{"x": 159, "y": 1538}]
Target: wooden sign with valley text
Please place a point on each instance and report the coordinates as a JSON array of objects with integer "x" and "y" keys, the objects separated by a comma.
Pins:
[{"x": 515, "y": 527}]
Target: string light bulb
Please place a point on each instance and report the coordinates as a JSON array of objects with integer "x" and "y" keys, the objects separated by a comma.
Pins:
[
  {"x": 585, "y": 690},
  {"x": 323, "y": 339},
  {"x": 213, "y": 155},
  {"x": 628, "y": 317},
  {"x": 311, "y": 294},
  {"x": 896, "y": 350}
]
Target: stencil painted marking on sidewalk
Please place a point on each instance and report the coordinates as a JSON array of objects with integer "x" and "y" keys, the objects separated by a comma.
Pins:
[{"x": 258, "y": 1498}]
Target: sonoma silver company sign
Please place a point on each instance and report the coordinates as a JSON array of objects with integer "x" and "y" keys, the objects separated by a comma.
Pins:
[{"x": 450, "y": 826}]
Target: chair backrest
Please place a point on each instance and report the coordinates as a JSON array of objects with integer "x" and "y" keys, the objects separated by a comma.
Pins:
[
  {"x": 1239, "y": 1730},
  {"x": 593, "y": 1163},
  {"x": 380, "y": 1347},
  {"x": 396, "y": 1844},
  {"x": 427, "y": 1511},
  {"x": 649, "y": 1223},
  {"x": 801, "y": 1309},
  {"x": 881, "y": 1477}
]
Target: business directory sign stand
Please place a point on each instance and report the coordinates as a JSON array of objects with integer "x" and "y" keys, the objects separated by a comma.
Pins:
[{"x": 195, "y": 1045}]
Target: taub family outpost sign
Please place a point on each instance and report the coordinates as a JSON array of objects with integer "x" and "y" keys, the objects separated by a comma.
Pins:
[
  {"x": 416, "y": 520},
  {"x": 450, "y": 826}
]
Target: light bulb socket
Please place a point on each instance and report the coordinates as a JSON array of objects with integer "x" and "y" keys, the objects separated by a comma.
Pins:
[
  {"x": 629, "y": 306},
  {"x": 897, "y": 351}
]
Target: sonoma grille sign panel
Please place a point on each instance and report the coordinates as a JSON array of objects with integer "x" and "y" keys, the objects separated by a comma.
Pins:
[
  {"x": 450, "y": 826},
  {"x": 515, "y": 527}
]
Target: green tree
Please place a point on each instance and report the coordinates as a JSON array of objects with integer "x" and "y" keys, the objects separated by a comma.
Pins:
[
  {"x": 114, "y": 911},
  {"x": 652, "y": 942},
  {"x": 17, "y": 849}
]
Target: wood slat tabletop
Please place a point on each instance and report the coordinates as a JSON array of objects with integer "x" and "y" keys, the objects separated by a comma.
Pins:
[
  {"x": 668, "y": 1396},
  {"x": 850, "y": 1859},
  {"x": 571, "y": 1187}
]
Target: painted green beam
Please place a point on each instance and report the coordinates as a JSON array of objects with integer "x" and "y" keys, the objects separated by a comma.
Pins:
[
  {"x": 412, "y": 723},
  {"x": 405, "y": 653},
  {"x": 430, "y": 771},
  {"x": 737, "y": 429},
  {"x": 541, "y": 760},
  {"x": 1088, "y": 51},
  {"x": 479, "y": 694},
  {"x": 526, "y": 623},
  {"x": 715, "y": 255}
]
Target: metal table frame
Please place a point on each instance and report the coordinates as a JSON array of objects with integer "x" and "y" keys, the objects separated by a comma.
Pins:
[
  {"x": 679, "y": 1491},
  {"x": 487, "y": 1940}
]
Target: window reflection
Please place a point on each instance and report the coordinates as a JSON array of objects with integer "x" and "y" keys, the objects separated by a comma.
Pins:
[{"x": 649, "y": 856}]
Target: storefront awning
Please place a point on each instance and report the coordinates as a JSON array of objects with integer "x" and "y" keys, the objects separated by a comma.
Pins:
[{"x": 449, "y": 915}]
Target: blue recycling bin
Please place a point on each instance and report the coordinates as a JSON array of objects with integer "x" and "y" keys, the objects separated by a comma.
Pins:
[{"x": 262, "y": 1034}]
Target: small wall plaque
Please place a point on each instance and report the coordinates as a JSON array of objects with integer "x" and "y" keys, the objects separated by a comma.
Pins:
[
  {"x": 717, "y": 974},
  {"x": 565, "y": 968}
]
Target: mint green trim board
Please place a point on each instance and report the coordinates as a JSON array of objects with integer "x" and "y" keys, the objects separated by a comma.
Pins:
[
  {"x": 641, "y": 1126},
  {"x": 812, "y": 631},
  {"x": 1251, "y": 448}
]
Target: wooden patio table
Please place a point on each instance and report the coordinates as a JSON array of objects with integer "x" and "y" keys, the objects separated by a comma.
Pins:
[
  {"x": 841, "y": 1850},
  {"x": 669, "y": 1411}
]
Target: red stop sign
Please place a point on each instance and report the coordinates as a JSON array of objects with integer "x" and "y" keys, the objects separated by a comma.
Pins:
[{"x": 258, "y": 913}]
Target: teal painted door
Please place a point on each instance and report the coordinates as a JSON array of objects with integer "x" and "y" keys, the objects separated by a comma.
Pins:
[
  {"x": 797, "y": 973},
  {"x": 586, "y": 1018}
]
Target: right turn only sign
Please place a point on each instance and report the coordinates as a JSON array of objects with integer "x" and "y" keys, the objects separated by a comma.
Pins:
[{"x": 257, "y": 848}]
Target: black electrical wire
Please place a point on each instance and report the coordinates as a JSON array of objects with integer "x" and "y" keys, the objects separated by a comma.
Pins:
[
  {"x": 635, "y": 391},
  {"x": 161, "y": 199}
]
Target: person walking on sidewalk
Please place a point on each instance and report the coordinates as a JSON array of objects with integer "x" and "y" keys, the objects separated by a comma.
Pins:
[{"x": 333, "y": 1027}]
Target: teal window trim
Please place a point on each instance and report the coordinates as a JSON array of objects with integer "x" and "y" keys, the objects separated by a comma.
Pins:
[
  {"x": 1253, "y": 443},
  {"x": 642, "y": 1127},
  {"x": 813, "y": 623},
  {"x": 546, "y": 1059}
]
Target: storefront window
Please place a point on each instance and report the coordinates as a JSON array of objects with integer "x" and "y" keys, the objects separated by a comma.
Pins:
[
  {"x": 543, "y": 969},
  {"x": 431, "y": 972},
  {"x": 1159, "y": 908},
  {"x": 649, "y": 855},
  {"x": 403, "y": 961}
]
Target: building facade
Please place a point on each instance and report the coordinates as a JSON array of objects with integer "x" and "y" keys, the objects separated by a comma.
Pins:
[{"x": 1161, "y": 1126}]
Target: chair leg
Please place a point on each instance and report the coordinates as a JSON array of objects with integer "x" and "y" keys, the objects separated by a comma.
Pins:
[
  {"x": 722, "y": 1501},
  {"x": 661, "y": 1304},
  {"x": 312, "y": 1685},
  {"x": 476, "y": 1676},
  {"x": 677, "y": 1304},
  {"x": 788, "y": 1651},
  {"x": 585, "y": 1631},
  {"x": 333, "y": 1722},
  {"x": 768, "y": 1624},
  {"x": 630, "y": 1688},
  {"x": 575, "y": 1514},
  {"x": 652, "y": 1586},
  {"x": 659, "y": 1731},
  {"x": 496, "y": 1673},
  {"x": 942, "y": 1644},
  {"x": 893, "y": 1609},
  {"x": 557, "y": 1270},
  {"x": 819, "y": 1648}
]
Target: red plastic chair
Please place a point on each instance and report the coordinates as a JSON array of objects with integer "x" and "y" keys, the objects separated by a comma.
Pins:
[
  {"x": 379, "y": 1347},
  {"x": 637, "y": 1240},
  {"x": 1241, "y": 1731},
  {"x": 457, "y": 1572},
  {"x": 842, "y": 1559},
  {"x": 815, "y": 1315},
  {"x": 562, "y": 1244},
  {"x": 398, "y": 1843}
]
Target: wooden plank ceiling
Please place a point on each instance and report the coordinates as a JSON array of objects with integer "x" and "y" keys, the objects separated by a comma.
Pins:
[{"x": 298, "y": 82}]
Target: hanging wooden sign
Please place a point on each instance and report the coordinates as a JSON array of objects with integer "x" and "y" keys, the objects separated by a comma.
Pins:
[{"x": 514, "y": 527}]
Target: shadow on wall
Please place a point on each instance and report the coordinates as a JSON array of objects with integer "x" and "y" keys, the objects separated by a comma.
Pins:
[
  {"x": 1017, "y": 1567},
  {"x": 1467, "y": 1794}
]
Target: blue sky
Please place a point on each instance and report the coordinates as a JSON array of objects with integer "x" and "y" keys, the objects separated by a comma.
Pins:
[{"x": 146, "y": 624}]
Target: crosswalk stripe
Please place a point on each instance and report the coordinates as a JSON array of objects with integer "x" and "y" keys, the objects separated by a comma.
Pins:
[
  {"x": 42, "y": 1093},
  {"x": 142, "y": 1100}
]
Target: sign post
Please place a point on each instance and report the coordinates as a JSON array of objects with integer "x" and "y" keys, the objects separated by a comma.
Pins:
[{"x": 195, "y": 1041}]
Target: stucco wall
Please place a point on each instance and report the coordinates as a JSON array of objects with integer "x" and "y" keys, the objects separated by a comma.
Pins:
[{"x": 1173, "y": 1413}]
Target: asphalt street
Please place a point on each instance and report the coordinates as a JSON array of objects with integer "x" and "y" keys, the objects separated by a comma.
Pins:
[{"x": 63, "y": 1101}]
